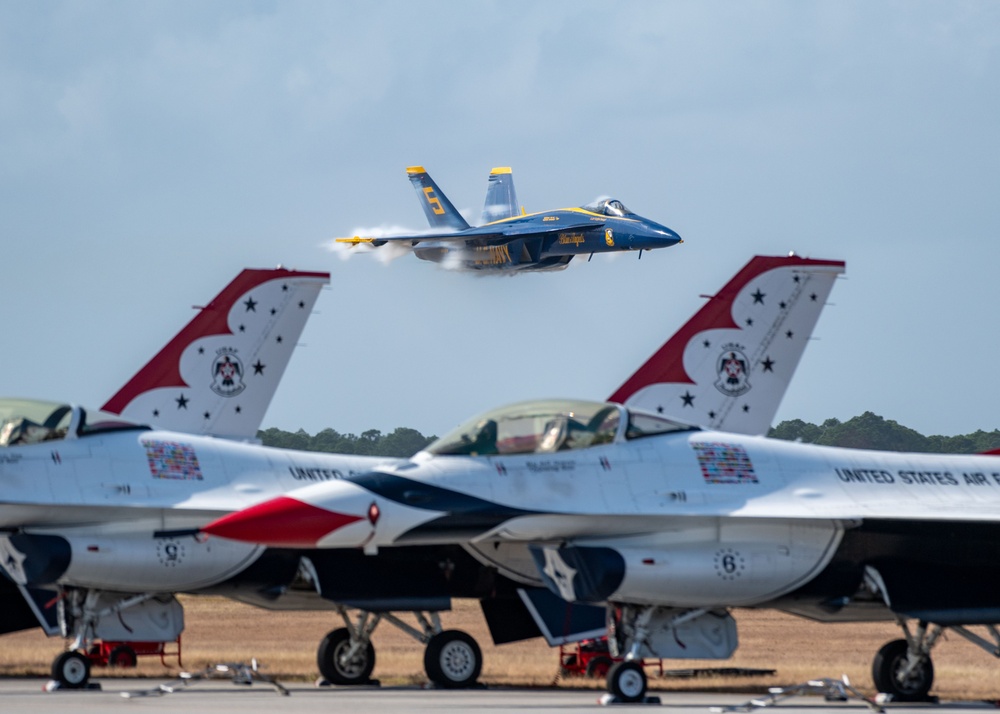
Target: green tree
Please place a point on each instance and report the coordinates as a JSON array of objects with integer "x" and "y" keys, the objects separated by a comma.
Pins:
[
  {"x": 870, "y": 431},
  {"x": 402, "y": 442}
]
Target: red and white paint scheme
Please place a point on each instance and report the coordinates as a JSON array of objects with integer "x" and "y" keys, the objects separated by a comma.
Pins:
[
  {"x": 106, "y": 510},
  {"x": 729, "y": 366},
  {"x": 671, "y": 524},
  {"x": 219, "y": 374}
]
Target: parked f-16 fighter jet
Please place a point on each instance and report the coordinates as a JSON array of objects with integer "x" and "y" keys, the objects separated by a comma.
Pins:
[
  {"x": 512, "y": 241},
  {"x": 671, "y": 523},
  {"x": 105, "y": 510}
]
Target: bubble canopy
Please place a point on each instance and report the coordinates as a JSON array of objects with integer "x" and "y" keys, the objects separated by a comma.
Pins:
[
  {"x": 608, "y": 207},
  {"x": 32, "y": 421},
  {"x": 549, "y": 426}
]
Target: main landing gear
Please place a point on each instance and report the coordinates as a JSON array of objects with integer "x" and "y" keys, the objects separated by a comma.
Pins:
[
  {"x": 903, "y": 668},
  {"x": 452, "y": 659}
]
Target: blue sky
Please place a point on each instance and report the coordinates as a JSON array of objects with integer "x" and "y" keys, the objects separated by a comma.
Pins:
[{"x": 149, "y": 151}]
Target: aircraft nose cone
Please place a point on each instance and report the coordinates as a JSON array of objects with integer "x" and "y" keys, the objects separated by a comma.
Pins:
[
  {"x": 281, "y": 522},
  {"x": 666, "y": 236},
  {"x": 650, "y": 235}
]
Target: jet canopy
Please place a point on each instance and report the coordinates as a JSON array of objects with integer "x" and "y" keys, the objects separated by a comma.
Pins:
[
  {"x": 548, "y": 426},
  {"x": 608, "y": 207},
  {"x": 29, "y": 421}
]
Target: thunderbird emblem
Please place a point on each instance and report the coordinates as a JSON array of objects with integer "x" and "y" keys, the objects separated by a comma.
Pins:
[
  {"x": 732, "y": 368},
  {"x": 227, "y": 373}
]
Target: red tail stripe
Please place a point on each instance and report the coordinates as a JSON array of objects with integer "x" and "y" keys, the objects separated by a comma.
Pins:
[
  {"x": 164, "y": 369},
  {"x": 667, "y": 364}
]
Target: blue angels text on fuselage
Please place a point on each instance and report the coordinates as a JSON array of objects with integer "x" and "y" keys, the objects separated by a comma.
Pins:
[{"x": 510, "y": 239}]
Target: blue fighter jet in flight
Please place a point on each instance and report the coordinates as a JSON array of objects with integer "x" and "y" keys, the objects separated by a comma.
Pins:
[{"x": 512, "y": 240}]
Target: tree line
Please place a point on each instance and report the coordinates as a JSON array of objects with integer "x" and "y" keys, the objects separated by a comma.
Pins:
[
  {"x": 400, "y": 442},
  {"x": 868, "y": 431}
]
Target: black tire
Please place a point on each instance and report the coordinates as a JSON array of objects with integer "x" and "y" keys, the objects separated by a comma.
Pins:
[
  {"x": 71, "y": 670},
  {"x": 328, "y": 658},
  {"x": 887, "y": 665},
  {"x": 627, "y": 681},
  {"x": 453, "y": 660},
  {"x": 122, "y": 656},
  {"x": 599, "y": 667}
]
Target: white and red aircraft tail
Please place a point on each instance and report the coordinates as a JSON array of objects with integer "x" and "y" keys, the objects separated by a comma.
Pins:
[
  {"x": 728, "y": 367},
  {"x": 218, "y": 375}
]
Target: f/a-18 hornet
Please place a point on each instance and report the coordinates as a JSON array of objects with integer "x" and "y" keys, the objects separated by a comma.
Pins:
[{"x": 511, "y": 240}]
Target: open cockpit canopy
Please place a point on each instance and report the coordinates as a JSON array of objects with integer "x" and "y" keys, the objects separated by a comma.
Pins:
[
  {"x": 32, "y": 421},
  {"x": 541, "y": 427}
]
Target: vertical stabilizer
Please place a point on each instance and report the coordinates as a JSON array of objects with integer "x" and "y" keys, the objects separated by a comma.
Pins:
[
  {"x": 501, "y": 199},
  {"x": 729, "y": 366},
  {"x": 218, "y": 375},
  {"x": 438, "y": 209}
]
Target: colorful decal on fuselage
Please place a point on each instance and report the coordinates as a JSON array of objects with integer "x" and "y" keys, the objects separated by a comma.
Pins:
[
  {"x": 733, "y": 369},
  {"x": 724, "y": 463},
  {"x": 171, "y": 460}
]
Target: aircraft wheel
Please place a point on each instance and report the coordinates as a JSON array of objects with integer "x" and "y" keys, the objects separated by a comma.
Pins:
[
  {"x": 599, "y": 667},
  {"x": 329, "y": 659},
  {"x": 122, "y": 656},
  {"x": 627, "y": 681},
  {"x": 71, "y": 670},
  {"x": 887, "y": 671},
  {"x": 453, "y": 660}
]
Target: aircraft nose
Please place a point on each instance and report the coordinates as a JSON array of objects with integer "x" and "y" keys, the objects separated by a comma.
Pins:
[
  {"x": 301, "y": 520},
  {"x": 664, "y": 236}
]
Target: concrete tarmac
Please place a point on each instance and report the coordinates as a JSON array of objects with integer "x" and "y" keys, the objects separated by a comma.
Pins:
[{"x": 223, "y": 697}]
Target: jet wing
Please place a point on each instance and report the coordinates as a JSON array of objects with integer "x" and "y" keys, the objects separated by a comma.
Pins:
[{"x": 489, "y": 233}]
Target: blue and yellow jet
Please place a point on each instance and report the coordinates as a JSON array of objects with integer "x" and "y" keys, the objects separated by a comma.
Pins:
[{"x": 510, "y": 239}]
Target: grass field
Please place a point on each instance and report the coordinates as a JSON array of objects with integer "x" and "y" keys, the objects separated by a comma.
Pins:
[{"x": 219, "y": 630}]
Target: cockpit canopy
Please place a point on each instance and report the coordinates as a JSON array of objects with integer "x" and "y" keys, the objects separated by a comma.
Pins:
[
  {"x": 608, "y": 207},
  {"x": 29, "y": 421},
  {"x": 548, "y": 426}
]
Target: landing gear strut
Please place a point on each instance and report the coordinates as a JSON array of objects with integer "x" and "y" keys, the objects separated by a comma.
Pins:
[
  {"x": 638, "y": 631},
  {"x": 903, "y": 668},
  {"x": 452, "y": 658},
  {"x": 895, "y": 672},
  {"x": 88, "y": 615}
]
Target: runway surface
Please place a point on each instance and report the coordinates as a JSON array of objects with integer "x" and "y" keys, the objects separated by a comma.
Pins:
[{"x": 223, "y": 697}]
